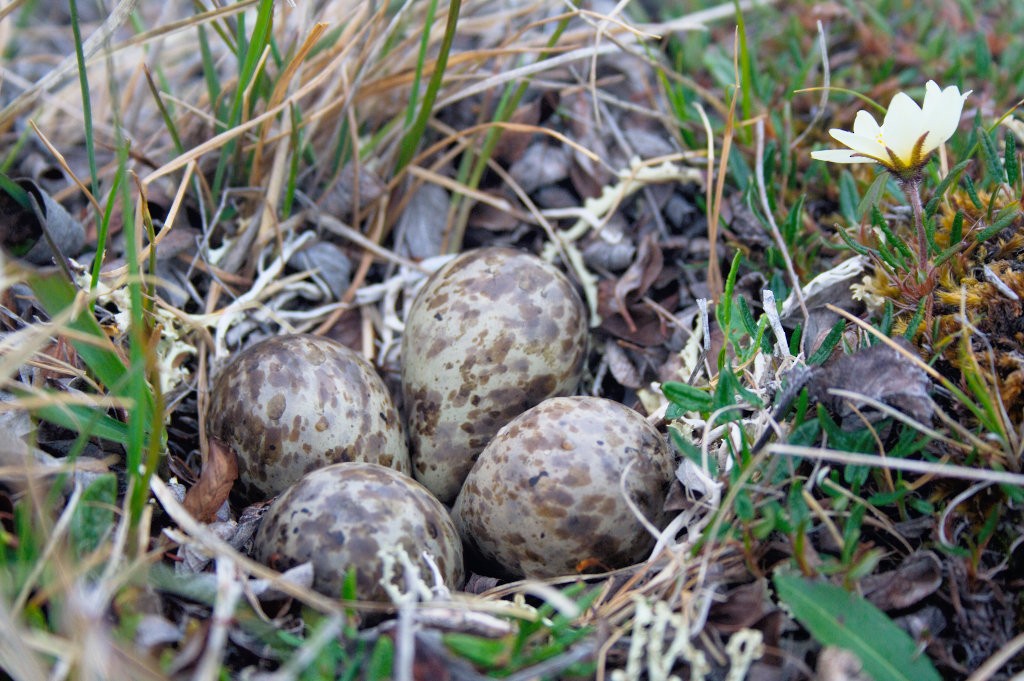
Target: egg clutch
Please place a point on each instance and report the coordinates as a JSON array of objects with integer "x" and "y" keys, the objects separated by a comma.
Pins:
[{"x": 539, "y": 481}]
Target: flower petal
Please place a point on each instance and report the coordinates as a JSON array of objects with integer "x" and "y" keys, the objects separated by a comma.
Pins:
[
  {"x": 902, "y": 127},
  {"x": 865, "y": 125},
  {"x": 840, "y": 156},
  {"x": 941, "y": 113},
  {"x": 867, "y": 146}
]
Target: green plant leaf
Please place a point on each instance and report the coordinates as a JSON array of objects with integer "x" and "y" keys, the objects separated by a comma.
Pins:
[
  {"x": 56, "y": 294},
  {"x": 94, "y": 515},
  {"x": 687, "y": 397},
  {"x": 991, "y": 154},
  {"x": 1004, "y": 220},
  {"x": 487, "y": 652},
  {"x": 1010, "y": 161},
  {"x": 872, "y": 195},
  {"x": 837, "y": 617},
  {"x": 824, "y": 351},
  {"x": 83, "y": 419},
  {"x": 849, "y": 198},
  {"x": 381, "y": 660},
  {"x": 944, "y": 184}
]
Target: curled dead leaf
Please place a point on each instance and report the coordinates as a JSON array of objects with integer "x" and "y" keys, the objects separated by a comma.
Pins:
[{"x": 215, "y": 482}]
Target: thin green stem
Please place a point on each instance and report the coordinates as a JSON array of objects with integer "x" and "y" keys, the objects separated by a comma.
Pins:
[{"x": 83, "y": 82}]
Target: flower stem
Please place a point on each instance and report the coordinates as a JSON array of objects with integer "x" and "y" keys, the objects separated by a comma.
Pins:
[{"x": 912, "y": 188}]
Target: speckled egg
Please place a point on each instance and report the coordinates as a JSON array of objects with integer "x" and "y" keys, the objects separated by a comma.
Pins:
[
  {"x": 492, "y": 333},
  {"x": 347, "y": 516},
  {"x": 291, "y": 404},
  {"x": 544, "y": 498}
]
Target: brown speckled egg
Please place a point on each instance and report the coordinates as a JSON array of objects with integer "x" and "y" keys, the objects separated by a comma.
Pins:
[
  {"x": 344, "y": 516},
  {"x": 291, "y": 404},
  {"x": 492, "y": 333},
  {"x": 544, "y": 498}
]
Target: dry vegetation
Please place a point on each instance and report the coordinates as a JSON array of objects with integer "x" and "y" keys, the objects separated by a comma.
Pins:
[{"x": 212, "y": 175}]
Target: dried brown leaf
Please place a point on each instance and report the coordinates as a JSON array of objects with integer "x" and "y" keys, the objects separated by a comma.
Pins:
[
  {"x": 621, "y": 366},
  {"x": 878, "y": 372},
  {"x": 917, "y": 577},
  {"x": 637, "y": 279},
  {"x": 215, "y": 482}
]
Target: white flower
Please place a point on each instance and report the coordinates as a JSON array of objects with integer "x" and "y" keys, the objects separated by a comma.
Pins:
[{"x": 907, "y": 135}]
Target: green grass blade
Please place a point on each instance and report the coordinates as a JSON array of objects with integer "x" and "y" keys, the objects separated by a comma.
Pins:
[
  {"x": 209, "y": 72},
  {"x": 102, "y": 232},
  {"x": 15, "y": 191},
  {"x": 746, "y": 68},
  {"x": 421, "y": 59},
  {"x": 837, "y": 617},
  {"x": 83, "y": 82},
  {"x": 411, "y": 139},
  {"x": 85, "y": 420},
  {"x": 250, "y": 53}
]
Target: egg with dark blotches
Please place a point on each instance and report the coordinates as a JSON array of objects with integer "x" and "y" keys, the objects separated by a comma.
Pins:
[
  {"x": 492, "y": 333},
  {"x": 291, "y": 404},
  {"x": 545, "y": 497},
  {"x": 348, "y": 516}
]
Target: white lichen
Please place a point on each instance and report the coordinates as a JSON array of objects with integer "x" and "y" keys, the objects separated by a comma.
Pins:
[{"x": 658, "y": 642}]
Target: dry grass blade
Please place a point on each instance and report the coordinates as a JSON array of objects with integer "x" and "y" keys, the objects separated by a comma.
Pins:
[{"x": 909, "y": 465}]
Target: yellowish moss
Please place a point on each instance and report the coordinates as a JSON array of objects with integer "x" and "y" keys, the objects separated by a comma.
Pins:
[{"x": 982, "y": 283}]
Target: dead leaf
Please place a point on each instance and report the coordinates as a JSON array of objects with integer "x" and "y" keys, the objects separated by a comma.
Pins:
[
  {"x": 491, "y": 217},
  {"x": 22, "y": 234},
  {"x": 267, "y": 592},
  {"x": 741, "y": 607},
  {"x": 878, "y": 372},
  {"x": 637, "y": 279},
  {"x": 621, "y": 366},
  {"x": 332, "y": 266},
  {"x": 340, "y": 198},
  {"x": 650, "y": 328},
  {"x": 542, "y": 164},
  {"x": 512, "y": 144},
  {"x": 420, "y": 230},
  {"x": 744, "y": 225},
  {"x": 153, "y": 632},
  {"x": 215, "y": 482},
  {"x": 917, "y": 577}
]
